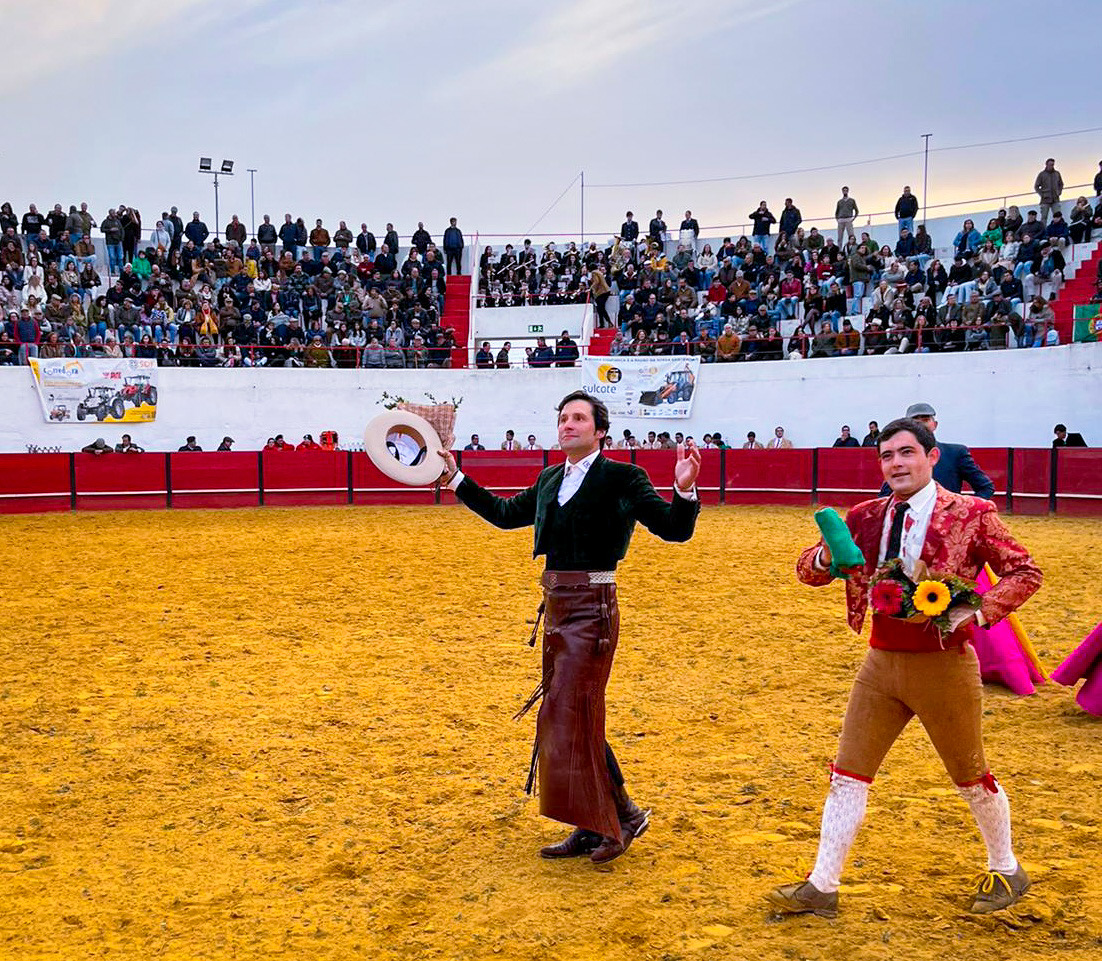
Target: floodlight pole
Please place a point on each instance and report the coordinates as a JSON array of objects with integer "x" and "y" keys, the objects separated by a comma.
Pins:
[
  {"x": 925, "y": 173},
  {"x": 252, "y": 196},
  {"x": 217, "y": 219},
  {"x": 583, "y": 207}
]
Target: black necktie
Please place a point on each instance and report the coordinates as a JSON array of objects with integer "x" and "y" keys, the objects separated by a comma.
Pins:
[{"x": 895, "y": 535}]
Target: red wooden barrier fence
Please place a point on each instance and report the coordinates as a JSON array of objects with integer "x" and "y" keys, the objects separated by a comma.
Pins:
[{"x": 1067, "y": 481}]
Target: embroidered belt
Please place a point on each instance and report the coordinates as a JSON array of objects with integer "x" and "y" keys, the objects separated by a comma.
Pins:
[{"x": 553, "y": 579}]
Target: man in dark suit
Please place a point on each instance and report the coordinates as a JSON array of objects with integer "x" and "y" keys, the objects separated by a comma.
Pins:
[
  {"x": 955, "y": 464},
  {"x": 583, "y": 513}
]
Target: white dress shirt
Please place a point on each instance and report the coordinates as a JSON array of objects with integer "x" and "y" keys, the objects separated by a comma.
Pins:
[
  {"x": 916, "y": 522},
  {"x": 572, "y": 477}
]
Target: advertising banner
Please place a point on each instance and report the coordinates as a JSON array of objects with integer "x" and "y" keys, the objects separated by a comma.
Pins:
[
  {"x": 659, "y": 387},
  {"x": 121, "y": 390}
]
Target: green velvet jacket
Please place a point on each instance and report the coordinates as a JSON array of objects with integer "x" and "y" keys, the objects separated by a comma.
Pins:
[{"x": 603, "y": 512}]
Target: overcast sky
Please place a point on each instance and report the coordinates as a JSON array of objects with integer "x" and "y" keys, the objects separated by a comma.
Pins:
[{"x": 390, "y": 111}]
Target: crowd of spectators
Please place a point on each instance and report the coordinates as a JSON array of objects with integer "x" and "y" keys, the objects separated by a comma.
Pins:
[
  {"x": 288, "y": 297},
  {"x": 294, "y": 295}
]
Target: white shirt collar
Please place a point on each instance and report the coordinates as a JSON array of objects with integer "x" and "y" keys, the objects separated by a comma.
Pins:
[
  {"x": 583, "y": 465},
  {"x": 920, "y": 500}
]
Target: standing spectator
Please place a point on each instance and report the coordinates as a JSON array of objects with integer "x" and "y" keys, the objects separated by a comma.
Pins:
[
  {"x": 112, "y": 238},
  {"x": 28, "y": 335},
  {"x": 656, "y": 232},
  {"x": 319, "y": 240},
  {"x": 629, "y": 229},
  {"x": 779, "y": 441},
  {"x": 599, "y": 292},
  {"x": 32, "y": 225},
  {"x": 503, "y": 355},
  {"x": 391, "y": 239},
  {"x": 288, "y": 235},
  {"x": 266, "y": 234},
  {"x": 1098, "y": 184},
  {"x": 845, "y": 211},
  {"x": 690, "y": 231},
  {"x": 235, "y": 231},
  {"x": 1049, "y": 185},
  {"x": 905, "y": 209},
  {"x": 846, "y": 439},
  {"x": 365, "y": 241},
  {"x": 566, "y": 351},
  {"x": 762, "y": 218},
  {"x": 484, "y": 357},
  {"x": 196, "y": 231},
  {"x": 421, "y": 239},
  {"x": 872, "y": 438},
  {"x": 791, "y": 218},
  {"x": 453, "y": 247}
]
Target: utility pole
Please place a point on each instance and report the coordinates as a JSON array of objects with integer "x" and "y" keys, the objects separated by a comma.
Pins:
[
  {"x": 252, "y": 196},
  {"x": 925, "y": 173},
  {"x": 583, "y": 207}
]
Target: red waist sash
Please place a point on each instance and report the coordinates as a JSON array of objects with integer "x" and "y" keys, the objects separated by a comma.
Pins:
[{"x": 893, "y": 634}]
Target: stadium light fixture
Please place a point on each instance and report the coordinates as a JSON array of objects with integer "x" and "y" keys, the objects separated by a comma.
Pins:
[{"x": 206, "y": 166}]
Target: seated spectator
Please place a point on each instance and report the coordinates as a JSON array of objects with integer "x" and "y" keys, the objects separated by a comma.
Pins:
[
  {"x": 752, "y": 442},
  {"x": 308, "y": 443},
  {"x": 824, "y": 344},
  {"x": 99, "y": 447},
  {"x": 510, "y": 442},
  {"x": 474, "y": 444},
  {"x": 848, "y": 342},
  {"x": 845, "y": 439},
  {"x": 190, "y": 445},
  {"x": 728, "y": 346}
]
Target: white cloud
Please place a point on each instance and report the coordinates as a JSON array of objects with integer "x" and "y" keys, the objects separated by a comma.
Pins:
[{"x": 584, "y": 38}]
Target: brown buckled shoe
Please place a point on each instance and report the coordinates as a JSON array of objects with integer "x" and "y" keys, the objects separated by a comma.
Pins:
[
  {"x": 630, "y": 828},
  {"x": 997, "y": 890},
  {"x": 802, "y": 897},
  {"x": 577, "y": 843}
]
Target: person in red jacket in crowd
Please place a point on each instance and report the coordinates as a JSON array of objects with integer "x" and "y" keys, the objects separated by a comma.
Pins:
[{"x": 308, "y": 443}]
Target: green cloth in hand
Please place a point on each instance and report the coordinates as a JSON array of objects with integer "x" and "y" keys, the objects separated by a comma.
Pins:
[{"x": 844, "y": 553}]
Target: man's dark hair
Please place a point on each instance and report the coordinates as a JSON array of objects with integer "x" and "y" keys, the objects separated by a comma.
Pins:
[
  {"x": 1059, "y": 427},
  {"x": 922, "y": 433},
  {"x": 600, "y": 411}
]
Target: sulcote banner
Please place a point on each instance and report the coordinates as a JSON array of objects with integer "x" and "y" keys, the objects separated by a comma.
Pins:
[
  {"x": 659, "y": 387},
  {"x": 116, "y": 391}
]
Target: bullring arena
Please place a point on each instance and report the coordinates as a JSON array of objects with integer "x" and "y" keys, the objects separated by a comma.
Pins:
[
  {"x": 258, "y": 695},
  {"x": 286, "y": 733}
]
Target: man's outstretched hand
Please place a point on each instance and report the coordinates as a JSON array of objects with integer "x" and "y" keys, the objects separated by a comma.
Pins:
[
  {"x": 687, "y": 466},
  {"x": 450, "y": 466}
]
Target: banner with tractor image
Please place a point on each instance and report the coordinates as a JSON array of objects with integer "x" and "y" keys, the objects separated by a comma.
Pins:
[
  {"x": 643, "y": 386},
  {"x": 116, "y": 391}
]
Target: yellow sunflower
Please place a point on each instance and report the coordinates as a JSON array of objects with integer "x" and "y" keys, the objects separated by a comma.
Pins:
[{"x": 931, "y": 598}]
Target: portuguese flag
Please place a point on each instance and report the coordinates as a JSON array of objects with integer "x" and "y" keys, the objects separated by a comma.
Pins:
[{"x": 1088, "y": 324}]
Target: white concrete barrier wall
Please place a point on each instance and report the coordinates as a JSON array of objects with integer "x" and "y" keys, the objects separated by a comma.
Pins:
[{"x": 995, "y": 398}]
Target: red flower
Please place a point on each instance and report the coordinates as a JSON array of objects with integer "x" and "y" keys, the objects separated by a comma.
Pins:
[{"x": 887, "y": 598}]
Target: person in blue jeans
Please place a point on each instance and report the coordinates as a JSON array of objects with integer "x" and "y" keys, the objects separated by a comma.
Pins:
[{"x": 905, "y": 209}]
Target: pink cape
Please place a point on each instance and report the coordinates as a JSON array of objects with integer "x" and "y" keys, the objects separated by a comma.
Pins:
[
  {"x": 1002, "y": 660},
  {"x": 1086, "y": 662}
]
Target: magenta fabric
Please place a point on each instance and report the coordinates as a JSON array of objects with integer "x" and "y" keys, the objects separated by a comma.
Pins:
[
  {"x": 1002, "y": 660},
  {"x": 1090, "y": 694},
  {"x": 1084, "y": 661}
]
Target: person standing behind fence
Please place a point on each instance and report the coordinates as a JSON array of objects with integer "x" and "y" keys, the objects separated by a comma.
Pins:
[
  {"x": 905, "y": 209},
  {"x": 844, "y": 212},
  {"x": 599, "y": 292},
  {"x": 1049, "y": 185},
  {"x": 453, "y": 247}
]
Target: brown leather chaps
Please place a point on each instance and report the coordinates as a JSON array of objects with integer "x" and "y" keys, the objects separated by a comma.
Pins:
[{"x": 581, "y": 627}]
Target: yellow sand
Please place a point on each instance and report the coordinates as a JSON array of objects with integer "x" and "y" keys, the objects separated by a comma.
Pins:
[{"x": 287, "y": 734}]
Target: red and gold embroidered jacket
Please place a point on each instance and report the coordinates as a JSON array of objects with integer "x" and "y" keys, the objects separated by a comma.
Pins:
[{"x": 964, "y": 533}]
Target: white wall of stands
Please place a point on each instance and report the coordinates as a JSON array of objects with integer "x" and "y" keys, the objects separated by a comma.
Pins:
[{"x": 1003, "y": 398}]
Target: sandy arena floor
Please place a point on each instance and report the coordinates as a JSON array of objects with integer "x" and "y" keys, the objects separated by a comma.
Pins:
[{"x": 286, "y": 734}]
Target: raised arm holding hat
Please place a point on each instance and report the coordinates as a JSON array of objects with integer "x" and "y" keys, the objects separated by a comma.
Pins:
[{"x": 583, "y": 513}]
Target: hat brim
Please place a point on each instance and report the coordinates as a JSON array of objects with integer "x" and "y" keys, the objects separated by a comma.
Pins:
[{"x": 427, "y": 471}]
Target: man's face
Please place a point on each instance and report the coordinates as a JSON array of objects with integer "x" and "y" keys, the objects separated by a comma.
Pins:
[
  {"x": 778, "y": 433},
  {"x": 928, "y": 422},
  {"x": 906, "y": 467},
  {"x": 578, "y": 432},
  {"x": 845, "y": 433}
]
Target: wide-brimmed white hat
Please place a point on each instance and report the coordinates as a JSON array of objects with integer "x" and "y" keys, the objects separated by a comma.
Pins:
[{"x": 405, "y": 447}]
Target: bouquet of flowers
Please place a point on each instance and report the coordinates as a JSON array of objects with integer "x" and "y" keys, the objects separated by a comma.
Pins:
[{"x": 927, "y": 596}]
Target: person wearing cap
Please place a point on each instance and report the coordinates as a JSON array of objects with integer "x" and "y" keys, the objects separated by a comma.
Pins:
[
  {"x": 955, "y": 464},
  {"x": 308, "y": 443},
  {"x": 227, "y": 444},
  {"x": 583, "y": 513},
  {"x": 912, "y": 668},
  {"x": 98, "y": 447}
]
